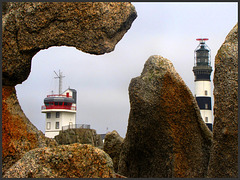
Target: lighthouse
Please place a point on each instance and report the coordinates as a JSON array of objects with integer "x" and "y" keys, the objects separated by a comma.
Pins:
[
  {"x": 202, "y": 71},
  {"x": 60, "y": 109}
]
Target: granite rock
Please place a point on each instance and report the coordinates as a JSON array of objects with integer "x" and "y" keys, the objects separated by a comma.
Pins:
[
  {"x": 28, "y": 27},
  {"x": 82, "y": 136},
  {"x": 65, "y": 161},
  {"x": 224, "y": 154},
  {"x": 19, "y": 135},
  {"x": 166, "y": 136},
  {"x": 112, "y": 145}
]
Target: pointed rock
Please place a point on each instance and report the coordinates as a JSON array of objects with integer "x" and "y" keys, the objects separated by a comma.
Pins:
[
  {"x": 166, "y": 136},
  {"x": 112, "y": 145},
  {"x": 224, "y": 155}
]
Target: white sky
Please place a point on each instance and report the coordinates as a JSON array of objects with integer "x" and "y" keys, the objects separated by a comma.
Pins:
[{"x": 166, "y": 29}]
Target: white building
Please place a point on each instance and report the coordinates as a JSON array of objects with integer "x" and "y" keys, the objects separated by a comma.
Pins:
[
  {"x": 60, "y": 111},
  {"x": 202, "y": 70}
]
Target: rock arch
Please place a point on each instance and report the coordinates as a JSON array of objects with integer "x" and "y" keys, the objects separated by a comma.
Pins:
[{"x": 28, "y": 27}]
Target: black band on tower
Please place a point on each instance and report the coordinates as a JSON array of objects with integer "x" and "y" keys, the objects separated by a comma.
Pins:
[
  {"x": 202, "y": 73},
  {"x": 204, "y": 103},
  {"x": 210, "y": 126}
]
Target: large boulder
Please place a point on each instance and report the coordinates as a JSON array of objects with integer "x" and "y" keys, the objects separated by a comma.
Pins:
[
  {"x": 19, "y": 135},
  {"x": 65, "y": 161},
  {"x": 166, "y": 136},
  {"x": 224, "y": 154},
  {"x": 82, "y": 136},
  {"x": 28, "y": 27},
  {"x": 112, "y": 145}
]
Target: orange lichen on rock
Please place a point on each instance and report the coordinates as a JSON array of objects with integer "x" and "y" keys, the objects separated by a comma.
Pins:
[
  {"x": 166, "y": 135},
  {"x": 16, "y": 137},
  {"x": 64, "y": 161},
  {"x": 179, "y": 132}
]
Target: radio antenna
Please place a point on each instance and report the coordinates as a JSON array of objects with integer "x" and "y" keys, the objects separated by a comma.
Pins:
[{"x": 59, "y": 76}]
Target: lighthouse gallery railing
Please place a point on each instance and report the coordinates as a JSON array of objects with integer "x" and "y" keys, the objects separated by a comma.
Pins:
[{"x": 59, "y": 107}]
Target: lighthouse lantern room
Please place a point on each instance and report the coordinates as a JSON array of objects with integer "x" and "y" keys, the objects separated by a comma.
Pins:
[
  {"x": 202, "y": 70},
  {"x": 60, "y": 110}
]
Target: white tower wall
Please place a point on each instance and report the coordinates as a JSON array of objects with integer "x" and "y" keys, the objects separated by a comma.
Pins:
[
  {"x": 59, "y": 115},
  {"x": 207, "y": 116},
  {"x": 68, "y": 118},
  {"x": 203, "y": 88}
]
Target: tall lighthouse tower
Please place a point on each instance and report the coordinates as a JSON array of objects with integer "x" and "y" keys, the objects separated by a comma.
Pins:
[
  {"x": 202, "y": 70},
  {"x": 60, "y": 109}
]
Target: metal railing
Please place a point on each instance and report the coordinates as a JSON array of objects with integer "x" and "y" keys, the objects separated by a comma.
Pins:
[
  {"x": 60, "y": 95},
  {"x": 59, "y": 107},
  {"x": 76, "y": 126}
]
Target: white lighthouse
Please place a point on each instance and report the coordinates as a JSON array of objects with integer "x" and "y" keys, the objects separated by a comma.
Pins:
[
  {"x": 60, "y": 110},
  {"x": 202, "y": 70}
]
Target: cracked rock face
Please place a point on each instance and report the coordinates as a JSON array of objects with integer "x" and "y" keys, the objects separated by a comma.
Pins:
[
  {"x": 166, "y": 136},
  {"x": 65, "y": 161},
  {"x": 28, "y": 27},
  {"x": 224, "y": 154}
]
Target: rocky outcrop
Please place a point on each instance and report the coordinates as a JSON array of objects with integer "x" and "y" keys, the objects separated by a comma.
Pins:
[
  {"x": 18, "y": 133},
  {"x": 28, "y": 27},
  {"x": 112, "y": 145},
  {"x": 224, "y": 154},
  {"x": 65, "y": 161},
  {"x": 166, "y": 136},
  {"x": 82, "y": 136}
]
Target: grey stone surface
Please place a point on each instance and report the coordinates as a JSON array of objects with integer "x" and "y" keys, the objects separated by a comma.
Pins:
[
  {"x": 224, "y": 155},
  {"x": 65, "y": 161},
  {"x": 28, "y": 27},
  {"x": 112, "y": 145},
  {"x": 166, "y": 136},
  {"x": 82, "y": 136}
]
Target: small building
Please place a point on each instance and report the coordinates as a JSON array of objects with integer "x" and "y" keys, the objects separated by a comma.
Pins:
[{"x": 60, "y": 111}]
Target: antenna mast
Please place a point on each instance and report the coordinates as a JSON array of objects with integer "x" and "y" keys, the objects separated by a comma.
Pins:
[{"x": 60, "y": 76}]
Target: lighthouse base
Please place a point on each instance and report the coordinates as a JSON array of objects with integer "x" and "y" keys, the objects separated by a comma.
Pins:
[{"x": 51, "y": 134}]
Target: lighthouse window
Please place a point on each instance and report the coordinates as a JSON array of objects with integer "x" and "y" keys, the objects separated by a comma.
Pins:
[
  {"x": 57, "y": 125},
  {"x": 48, "y": 125},
  {"x": 57, "y": 114},
  {"x": 206, "y": 119},
  {"x": 48, "y": 115},
  {"x": 206, "y": 106},
  {"x": 205, "y": 92}
]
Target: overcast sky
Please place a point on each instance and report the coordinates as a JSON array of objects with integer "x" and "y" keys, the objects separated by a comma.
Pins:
[{"x": 166, "y": 29}]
